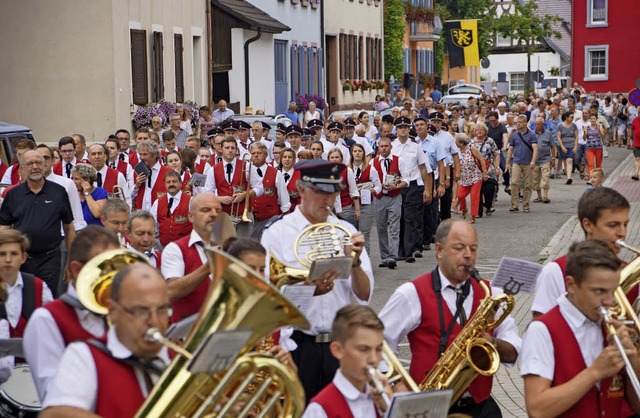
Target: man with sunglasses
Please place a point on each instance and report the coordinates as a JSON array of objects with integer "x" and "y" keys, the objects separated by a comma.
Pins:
[{"x": 112, "y": 375}]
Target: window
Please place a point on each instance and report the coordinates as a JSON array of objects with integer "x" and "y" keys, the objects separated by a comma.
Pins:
[
  {"x": 597, "y": 13},
  {"x": 139, "y": 80},
  {"x": 516, "y": 82},
  {"x": 179, "y": 66},
  {"x": 502, "y": 41},
  {"x": 158, "y": 67},
  {"x": 361, "y": 57},
  {"x": 596, "y": 62}
]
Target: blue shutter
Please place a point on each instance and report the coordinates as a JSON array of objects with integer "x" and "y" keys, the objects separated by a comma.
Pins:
[
  {"x": 320, "y": 66},
  {"x": 310, "y": 78},
  {"x": 294, "y": 88},
  {"x": 301, "y": 84}
]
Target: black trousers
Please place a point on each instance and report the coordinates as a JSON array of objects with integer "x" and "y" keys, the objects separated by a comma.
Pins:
[
  {"x": 487, "y": 193},
  {"x": 486, "y": 409},
  {"x": 412, "y": 224},
  {"x": 445, "y": 202},
  {"x": 45, "y": 266},
  {"x": 431, "y": 220},
  {"x": 316, "y": 364}
]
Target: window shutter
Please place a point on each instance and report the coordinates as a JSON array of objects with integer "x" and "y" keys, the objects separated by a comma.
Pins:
[
  {"x": 311, "y": 70},
  {"x": 361, "y": 57},
  {"x": 158, "y": 67},
  {"x": 139, "y": 80},
  {"x": 301, "y": 83},
  {"x": 320, "y": 65},
  {"x": 178, "y": 51},
  {"x": 294, "y": 72}
]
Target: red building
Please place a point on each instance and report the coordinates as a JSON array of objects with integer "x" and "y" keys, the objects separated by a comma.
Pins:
[{"x": 605, "y": 54}]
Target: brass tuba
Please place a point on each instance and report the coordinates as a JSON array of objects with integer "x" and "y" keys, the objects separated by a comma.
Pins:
[
  {"x": 94, "y": 281},
  {"x": 629, "y": 278},
  {"x": 238, "y": 299},
  {"x": 470, "y": 353}
]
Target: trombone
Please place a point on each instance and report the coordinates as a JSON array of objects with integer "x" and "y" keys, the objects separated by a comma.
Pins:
[{"x": 235, "y": 207}]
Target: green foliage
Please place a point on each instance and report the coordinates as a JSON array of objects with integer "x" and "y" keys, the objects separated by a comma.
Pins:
[
  {"x": 440, "y": 52},
  {"x": 394, "y": 28},
  {"x": 484, "y": 10}
]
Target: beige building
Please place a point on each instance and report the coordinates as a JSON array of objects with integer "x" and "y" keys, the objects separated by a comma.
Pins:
[
  {"x": 354, "y": 50},
  {"x": 77, "y": 66}
]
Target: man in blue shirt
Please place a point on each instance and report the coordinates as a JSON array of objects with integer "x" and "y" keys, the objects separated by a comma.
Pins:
[
  {"x": 523, "y": 147},
  {"x": 436, "y": 95},
  {"x": 222, "y": 112},
  {"x": 291, "y": 112}
]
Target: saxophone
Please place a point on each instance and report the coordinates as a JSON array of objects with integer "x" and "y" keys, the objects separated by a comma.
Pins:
[{"x": 470, "y": 353}]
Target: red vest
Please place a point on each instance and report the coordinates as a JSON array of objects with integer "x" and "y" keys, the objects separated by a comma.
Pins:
[
  {"x": 159, "y": 189},
  {"x": 345, "y": 196},
  {"x": 266, "y": 206},
  {"x": 110, "y": 180},
  {"x": 57, "y": 169},
  {"x": 365, "y": 176},
  {"x": 114, "y": 379},
  {"x": 201, "y": 166},
  {"x": 185, "y": 181},
  {"x": 191, "y": 303},
  {"x": 133, "y": 158},
  {"x": 226, "y": 189},
  {"x": 333, "y": 403},
  {"x": 425, "y": 340},
  {"x": 3, "y": 169},
  {"x": 569, "y": 362},
  {"x": 122, "y": 167},
  {"x": 292, "y": 188},
  {"x": 394, "y": 168},
  {"x": 18, "y": 331},
  {"x": 176, "y": 226},
  {"x": 67, "y": 322}
]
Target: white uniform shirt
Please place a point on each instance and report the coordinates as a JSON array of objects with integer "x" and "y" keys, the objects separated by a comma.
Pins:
[
  {"x": 537, "y": 356},
  {"x": 279, "y": 240},
  {"x": 207, "y": 166},
  {"x": 281, "y": 187},
  {"x": 13, "y": 305},
  {"x": 359, "y": 403},
  {"x": 44, "y": 345},
  {"x": 403, "y": 313},
  {"x": 549, "y": 287},
  {"x": 176, "y": 202},
  {"x": 365, "y": 144},
  {"x": 76, "y": 382},
  {"x": 411, "y": 158},
  {"x": 74, "y": 200},
  {"x": 328, "y": 146},
  {"x": 122, "y": 182},
  {"x": 210, "y": 184},
  {"x": 173, "y": 264}
]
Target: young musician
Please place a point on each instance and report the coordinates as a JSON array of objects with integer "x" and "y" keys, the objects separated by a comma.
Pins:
[
  {"x": 570, "y": 368},
  {"x": 357, "y": 344}
]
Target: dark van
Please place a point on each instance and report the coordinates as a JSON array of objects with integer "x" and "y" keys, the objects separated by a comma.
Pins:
[{"x": 9, "y": 136}]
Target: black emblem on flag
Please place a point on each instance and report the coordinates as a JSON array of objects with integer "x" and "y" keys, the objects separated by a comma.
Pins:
[{"x": 462, "y": 37}]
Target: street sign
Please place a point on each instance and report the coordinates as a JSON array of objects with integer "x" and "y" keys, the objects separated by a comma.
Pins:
[{"x": 634, "y": 97}]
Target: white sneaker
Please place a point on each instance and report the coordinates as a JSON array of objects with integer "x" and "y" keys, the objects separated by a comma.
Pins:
[{"x": 605, "y": 153}]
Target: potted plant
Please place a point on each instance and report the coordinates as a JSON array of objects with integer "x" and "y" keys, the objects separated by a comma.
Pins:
[{"x": 347, "y": 85}]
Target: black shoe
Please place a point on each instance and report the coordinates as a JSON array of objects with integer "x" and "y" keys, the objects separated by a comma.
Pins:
[
  {"x": 569, "y": 181},
  {"x": 426, "y": 247},
  {"x": 383, "y": 264},
  {"x": 400, "y": 258},
  {"x": 507, "y": 190},
  {"x": 635, "y": 178},
  {"x": 410, "y": 259},
  {"x": 514, "y": 210},
  {"x": 417, "y": 254},
  {"x": 392, "y": 264}
]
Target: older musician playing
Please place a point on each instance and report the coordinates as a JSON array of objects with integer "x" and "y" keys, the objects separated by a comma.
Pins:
[
  {"x": 111, "y": 376},
  {"x": 433, "y": 309},
  {"x": 319, "y": 184}
]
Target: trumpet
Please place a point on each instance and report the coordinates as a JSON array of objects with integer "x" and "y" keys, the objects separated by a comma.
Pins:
[
  {"x": 235, "y": 207},
  {"x": 633, "y": 378},
  {"x": 621, "y": 244},
  {"x": 377, "y": 386}
]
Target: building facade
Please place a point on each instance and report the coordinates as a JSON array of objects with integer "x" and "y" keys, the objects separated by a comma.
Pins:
[
  {"x": 353, "y": 34},
  {"x": 72, "y": 66},
  {"x": 418, "y": 55},
  {"x": 603, "y": 59}
]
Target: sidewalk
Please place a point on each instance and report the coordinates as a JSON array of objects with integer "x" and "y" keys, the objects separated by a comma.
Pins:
[{"x": 508, "y": 385}]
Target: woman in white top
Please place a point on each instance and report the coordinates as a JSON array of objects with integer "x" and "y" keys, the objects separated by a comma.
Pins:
[
  {"x": 370, "y": 131},
  {"x": 347, "y": 203},
  {"x": 311, "y": 113},
  {"x": 368, "y": 184},
  {"x": 185, "y": 119}
]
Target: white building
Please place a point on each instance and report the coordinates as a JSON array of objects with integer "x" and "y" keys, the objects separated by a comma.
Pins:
[{"x": 72, "y": 66}]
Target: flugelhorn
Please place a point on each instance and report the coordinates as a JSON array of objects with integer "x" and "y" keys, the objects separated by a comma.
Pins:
[
  {"x": 621, "y": 244},
  {"x": 377, "y": 385}
]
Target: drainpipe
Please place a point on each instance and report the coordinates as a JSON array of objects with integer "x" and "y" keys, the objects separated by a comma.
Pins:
[
  {"x": 246, "y": 65},
  {"x": 209, "y": 62}
]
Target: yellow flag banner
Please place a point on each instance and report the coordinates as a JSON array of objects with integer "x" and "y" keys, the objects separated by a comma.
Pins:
[{"x": 462, "y": 42}]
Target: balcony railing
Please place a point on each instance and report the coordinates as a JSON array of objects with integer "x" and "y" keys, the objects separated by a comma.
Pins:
[{"x": 425, "y": 31}]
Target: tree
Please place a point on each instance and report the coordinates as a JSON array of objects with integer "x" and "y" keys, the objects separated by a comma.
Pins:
[
  {"x": 529, "y": 28},
  {"x": 393, "y": 35}
]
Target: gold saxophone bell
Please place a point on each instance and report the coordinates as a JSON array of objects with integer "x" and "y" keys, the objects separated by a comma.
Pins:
[
  {"x": 93, "y": 284},
  {"x": 623, "y": 308}
]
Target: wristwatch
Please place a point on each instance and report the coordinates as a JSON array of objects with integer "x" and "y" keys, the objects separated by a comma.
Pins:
[{"x": 87, "y": 193}]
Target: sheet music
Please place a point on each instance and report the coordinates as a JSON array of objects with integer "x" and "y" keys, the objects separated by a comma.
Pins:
[
  {"x": 198, "y": 180},
  {"x": 427, "y": 404},
  {"x": 299, "y": 295},
  {"x": 365, "y": 197},
  {"x": 219, "y": 351},
  {"x": 515, "y": 275}
]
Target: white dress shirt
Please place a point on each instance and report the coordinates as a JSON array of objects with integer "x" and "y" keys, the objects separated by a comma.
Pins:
[
  {"x": 549, "y": 287},
  {"x": 146, "y": 198},
  {"x": 6, "y": 177},
  {"x": 537, "y": 356},
  {"x": 122, "y": 182},
  {"x": 360, "y": 404},
  {"x": 450, "y": 146},
  {"x": 365, "y": 144},
  {"x": 13, "y": 305},
  {"x": 76, "y": 382},
  {"x": 374, "y": 178},
  {"x": 256, "y": 181},
  {"x": 173, "y": 264},
  {"x": 176, "y": 202},
  {"x": 383, "y": 168},
  {"x": 403, "y": 313},
  {"x": 207, "y": 166},
  {"x": 353, "y": 190},
  {"x": 74, "y": 200},
  {"x": 278, "y": 239},
  {"x": 411, "y": 158},
  {"x": 281, "y": 187},
  {"x": 44, "y": 345}
]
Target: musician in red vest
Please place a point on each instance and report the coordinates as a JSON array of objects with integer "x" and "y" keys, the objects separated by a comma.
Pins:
[
  {"x": 113, "y": 158},
  {"x": 67, "y": 147},
  {"x": 358, "y": 336},
  {"x": 147, "y": 189},
  {"x": 603, "y": 214},
  {"x": 570, "y": 367},
  {"x": 275, "y": 199},
  {"x": 12, "y": 174},
  {"x": 54, "y": 326},
  {"x": 228, "y": 180},
  {"x": 201, "y": 165},
  {"x": 124, "y": 138},
  {"x": 81, "y": 148},
  {"x": 432, "y": 310},
  {"x": 184, "y": 262},
  {"x": 169, "y": 141},
  {"x": 142, "y": 236},
  {"x": 171, "y": 211},
  {"x": 388, "y": 203},
  {"x": 111, "y": 376},
  {"x": 107, "y": 177}
]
